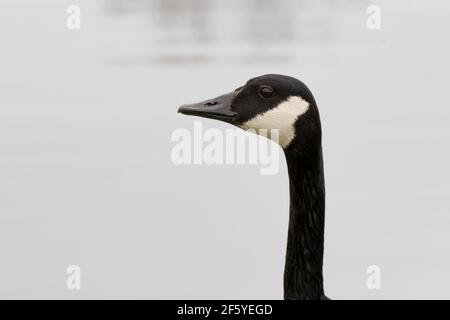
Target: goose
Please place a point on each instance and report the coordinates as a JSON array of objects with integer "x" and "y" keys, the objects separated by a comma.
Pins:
[{"x": 274, "y": 101}]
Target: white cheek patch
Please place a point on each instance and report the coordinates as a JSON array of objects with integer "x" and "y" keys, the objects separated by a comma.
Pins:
[{"x": 282, "y": 117}]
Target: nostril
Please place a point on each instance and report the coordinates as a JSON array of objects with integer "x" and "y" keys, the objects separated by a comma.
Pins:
[{"x": 211, "y": 103}]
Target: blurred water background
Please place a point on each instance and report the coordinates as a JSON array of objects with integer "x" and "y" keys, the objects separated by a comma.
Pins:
[{"x": 86, "y": 176}]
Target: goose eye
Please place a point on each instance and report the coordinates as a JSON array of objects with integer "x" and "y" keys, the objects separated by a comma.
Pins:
[{"x": 266, "y": 91}]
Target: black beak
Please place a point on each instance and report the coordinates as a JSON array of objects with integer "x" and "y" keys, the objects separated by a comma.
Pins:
[{"x": 218, "y": 108}]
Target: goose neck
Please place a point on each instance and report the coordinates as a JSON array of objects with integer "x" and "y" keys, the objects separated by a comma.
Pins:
[{"x": 303, "y": 277}]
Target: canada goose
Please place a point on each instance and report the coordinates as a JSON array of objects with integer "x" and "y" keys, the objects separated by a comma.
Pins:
[{"x": 285, "y": 103}]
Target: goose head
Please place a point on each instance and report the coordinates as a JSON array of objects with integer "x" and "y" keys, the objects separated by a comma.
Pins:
[{"x": 266, "y": 102}]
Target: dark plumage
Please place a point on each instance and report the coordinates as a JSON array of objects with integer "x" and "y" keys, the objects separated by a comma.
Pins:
[{"x": 305, "y": 244}]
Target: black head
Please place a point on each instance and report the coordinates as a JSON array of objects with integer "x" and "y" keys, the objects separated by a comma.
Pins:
[{"x": 267, "y": 102}]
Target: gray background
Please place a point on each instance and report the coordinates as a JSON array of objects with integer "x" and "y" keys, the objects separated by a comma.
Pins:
[{"x": 86, "y": 176}]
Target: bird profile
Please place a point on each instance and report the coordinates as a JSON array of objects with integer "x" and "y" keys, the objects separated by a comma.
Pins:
[{"x": 286, "y": 104}]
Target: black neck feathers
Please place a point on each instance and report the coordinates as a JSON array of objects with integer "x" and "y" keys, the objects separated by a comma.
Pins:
[{"x": 304, "y": 257}]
